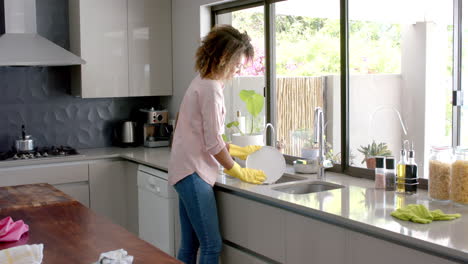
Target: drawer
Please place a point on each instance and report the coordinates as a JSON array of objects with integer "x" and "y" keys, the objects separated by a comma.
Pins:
[
  {"x": 50, "y": 173},
  {"x": 252, "y": 225}
]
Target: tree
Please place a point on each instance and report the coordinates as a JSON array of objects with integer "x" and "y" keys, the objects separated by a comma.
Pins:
[{"x": 307, "y": 46}]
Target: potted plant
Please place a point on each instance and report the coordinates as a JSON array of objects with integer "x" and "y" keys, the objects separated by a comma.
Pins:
[
  {"x": 304, "y": 139},
  {"x": 373, "y": 150},
  {"x": 254, "y": 103}
]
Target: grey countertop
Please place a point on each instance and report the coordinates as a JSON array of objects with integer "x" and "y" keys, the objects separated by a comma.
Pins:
[{"x": 358, "y": 206}]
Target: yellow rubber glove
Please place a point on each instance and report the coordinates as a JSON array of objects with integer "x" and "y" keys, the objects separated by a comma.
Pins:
[
  {"x": 242, "y": 152},
  {"x": 245, "y": 174}
]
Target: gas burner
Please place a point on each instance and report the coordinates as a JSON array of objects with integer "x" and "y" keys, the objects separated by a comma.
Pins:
[
  {"x": 38, "y": 153},
  {"x": 7, "y": 155}
]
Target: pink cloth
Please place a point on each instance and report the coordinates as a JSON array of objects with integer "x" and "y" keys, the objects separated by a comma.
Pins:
[
  {"x": 199, "y": 130},
  {"x": 11, "y": 231}
]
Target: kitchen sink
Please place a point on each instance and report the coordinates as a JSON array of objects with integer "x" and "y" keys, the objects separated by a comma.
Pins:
[
  {"x": 289, "y": 178},
  {"x": 308, "y": 187}
]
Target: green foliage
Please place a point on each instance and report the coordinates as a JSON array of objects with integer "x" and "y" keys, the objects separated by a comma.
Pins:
[
  {"x": 253, "y": 101},
  {"x": 307, "y": 46},
  {"x": 233, "y": 123},
  {"x": 374, "y": 150},
  {"x": 236, "y": 125},
  {"x": 306, "y": 136}
]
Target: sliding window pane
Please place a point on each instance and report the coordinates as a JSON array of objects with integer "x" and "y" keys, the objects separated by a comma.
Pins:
[
  {"x": 400, "y": 77},
  {"x": 250, "y": 79},
  {"x": 307, "y": 42},
  {"x": 464, "y": 82}
]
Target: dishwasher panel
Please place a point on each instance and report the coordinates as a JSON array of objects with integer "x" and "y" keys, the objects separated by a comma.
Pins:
[{"x": 156, "y": 215}]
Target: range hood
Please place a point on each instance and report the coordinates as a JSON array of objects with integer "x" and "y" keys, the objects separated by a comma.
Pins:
[{"x": 20, "y": 45}]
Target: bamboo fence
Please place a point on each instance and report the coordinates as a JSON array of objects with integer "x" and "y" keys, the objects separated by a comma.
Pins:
[{"x": 296, "y": 100}]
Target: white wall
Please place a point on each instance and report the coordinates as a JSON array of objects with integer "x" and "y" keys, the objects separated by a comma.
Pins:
[
  {"x": 413, "y": 67},
  {"x": 186, "y": 34},
  {"x": 232, "y": 100},
  {"x": 438, "y": 87},
  {"x": 373, "y": 101},
  {"x": 333, "y": 112}
]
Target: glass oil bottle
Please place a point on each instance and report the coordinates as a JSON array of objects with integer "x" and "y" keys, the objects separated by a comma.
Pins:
[
  {"x": 411, "y": 173},
  {"x": 401, "y": 169}
]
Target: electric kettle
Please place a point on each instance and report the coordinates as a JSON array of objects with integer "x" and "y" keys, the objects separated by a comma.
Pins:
[{"x": 127, "y": 133}]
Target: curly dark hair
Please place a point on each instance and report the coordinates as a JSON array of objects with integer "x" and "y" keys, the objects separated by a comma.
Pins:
[{"x": 221, "y": 50}]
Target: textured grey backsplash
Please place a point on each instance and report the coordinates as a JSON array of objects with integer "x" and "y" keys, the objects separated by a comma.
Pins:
[{"x": 39, "y": 97}]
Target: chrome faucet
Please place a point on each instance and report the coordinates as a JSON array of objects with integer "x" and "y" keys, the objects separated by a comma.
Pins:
[
  {"x": 273, "y": 141},
  {"x": 319, "y": 137}
]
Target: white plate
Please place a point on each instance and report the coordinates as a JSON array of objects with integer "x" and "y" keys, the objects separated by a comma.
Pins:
[{"x": 269, "y": 160}]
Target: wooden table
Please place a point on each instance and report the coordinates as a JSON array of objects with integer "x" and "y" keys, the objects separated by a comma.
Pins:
[{"x": 70, "y": 232}]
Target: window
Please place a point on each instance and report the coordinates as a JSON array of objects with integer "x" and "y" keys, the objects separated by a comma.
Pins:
[
  {"x": 402, "y": 62},
  {"x": 464, "y": 75},
  {"x": 307, "y": 69},
  {"x": 400, "y": 83},
  {"x": 251, "y": 76}
]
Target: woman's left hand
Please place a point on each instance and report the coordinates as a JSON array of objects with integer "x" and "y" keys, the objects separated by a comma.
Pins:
[{"x": 242, "y": 152}]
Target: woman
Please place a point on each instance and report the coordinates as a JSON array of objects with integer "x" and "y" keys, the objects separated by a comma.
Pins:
[{"x": 198, "y": 146}]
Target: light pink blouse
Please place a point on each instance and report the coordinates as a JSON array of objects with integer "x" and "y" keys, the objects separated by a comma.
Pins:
[{"x": 198, "y": 135}]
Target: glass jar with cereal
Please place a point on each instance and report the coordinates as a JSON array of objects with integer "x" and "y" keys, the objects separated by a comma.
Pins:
[
  {"x": 440, "y": 162},
  {"x": 459, "y": 174}
]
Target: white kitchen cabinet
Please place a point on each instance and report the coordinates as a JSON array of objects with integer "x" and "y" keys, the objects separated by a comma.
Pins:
[
  {"x": 149, "y": 47},
  {"x": 77, "y": 190},
  {"x": 231, "y": 255},
  {"x": 98, "y": 34},
  {"x": 71, "y": 178},
  {"x": 131, "y": 170},
  {"x": 312, "y": 241},
  {"x": 252, "y": 225},
  {"x": 126, "y": 45},
  {"x": 177, "y": 231},
  {"x": 108, "y": 195},
  {"x": 58, "y": 173},
  {"x": 364, "y": 249}
]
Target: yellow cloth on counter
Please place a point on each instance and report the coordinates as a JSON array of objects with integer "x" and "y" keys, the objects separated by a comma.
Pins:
[
  {"x": 418, "y": 213},
  {"x": 25, "y": 254}
]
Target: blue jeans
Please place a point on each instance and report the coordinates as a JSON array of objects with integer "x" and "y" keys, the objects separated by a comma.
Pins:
[{"x": 198, "y": 221}]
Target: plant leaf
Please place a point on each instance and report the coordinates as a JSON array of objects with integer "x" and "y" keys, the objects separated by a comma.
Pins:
[
  {"x": 246, "y": 94},
  {"x": 255, "y": 105},
  {"x": 233, "y": 123},
  {"x": 254, "y": 102}
]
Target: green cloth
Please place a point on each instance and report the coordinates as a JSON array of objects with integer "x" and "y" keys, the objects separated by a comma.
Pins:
[{"x": 418, "y": 213}]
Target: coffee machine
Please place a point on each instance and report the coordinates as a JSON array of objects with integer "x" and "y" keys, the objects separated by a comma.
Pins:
[{"x": 156, "y": 129}]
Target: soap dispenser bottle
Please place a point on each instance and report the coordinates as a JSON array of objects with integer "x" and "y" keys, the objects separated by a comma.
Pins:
[{"x": 411, "y": 172}]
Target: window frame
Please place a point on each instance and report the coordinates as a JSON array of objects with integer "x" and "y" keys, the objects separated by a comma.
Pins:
[
  {"x": 457, "y": 71},
  {"x": 344, "y": 167}
]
